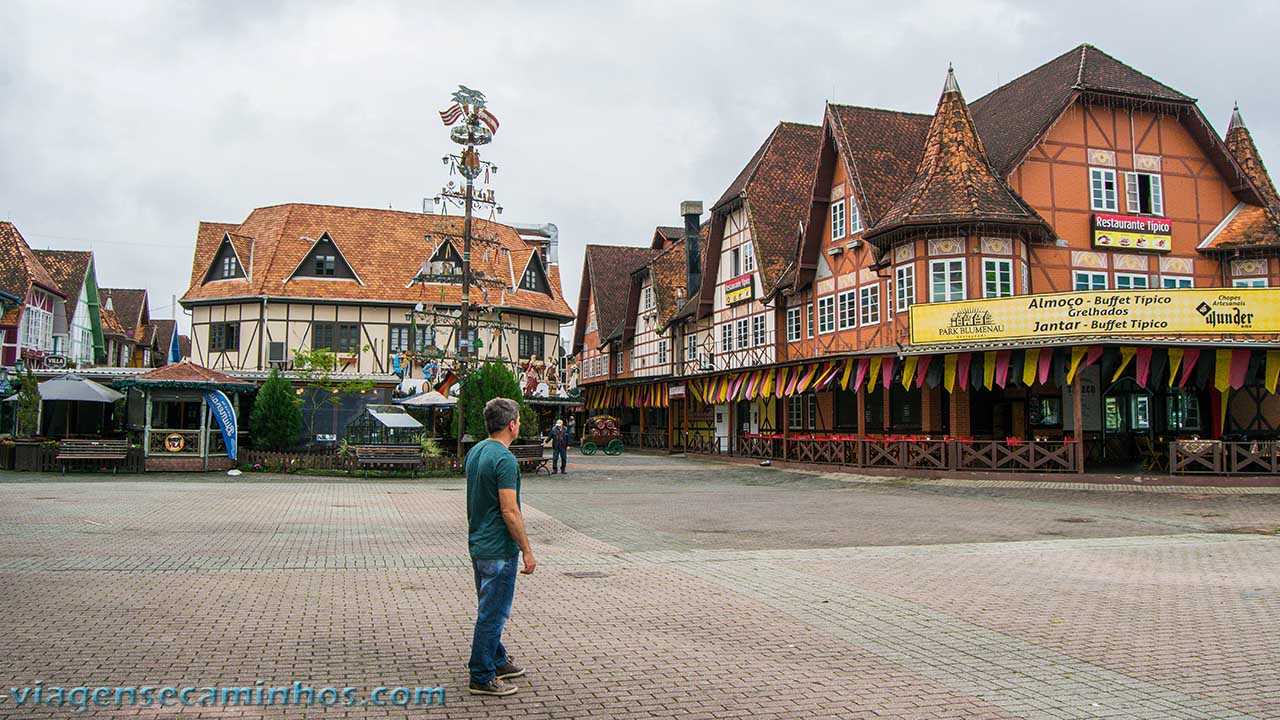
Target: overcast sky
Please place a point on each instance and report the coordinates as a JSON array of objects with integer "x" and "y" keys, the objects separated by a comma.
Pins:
[{"x": 124, "y": 124}]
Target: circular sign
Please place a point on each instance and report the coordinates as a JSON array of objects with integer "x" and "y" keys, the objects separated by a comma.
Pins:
[{"x": 174, "y": 442}]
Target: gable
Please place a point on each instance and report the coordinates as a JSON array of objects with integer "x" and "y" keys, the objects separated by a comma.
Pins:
[
  {"x": 535, "y": 276},
  {"x": 324, "y": 261},
  {"x": 226, "y": 263},
  {"x": 446, "y": 253}
]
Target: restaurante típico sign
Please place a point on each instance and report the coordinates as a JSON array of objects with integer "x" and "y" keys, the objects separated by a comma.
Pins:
[
  {"x": 1132, "y": 232},
  {"x": 1186, "y": 311}
]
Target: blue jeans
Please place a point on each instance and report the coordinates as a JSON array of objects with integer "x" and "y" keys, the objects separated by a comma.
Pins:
[
  {"x": 495, "y": 588},
  {"x": 559, "y": 458}
]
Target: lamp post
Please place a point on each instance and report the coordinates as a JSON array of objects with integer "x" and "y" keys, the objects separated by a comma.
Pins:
[{"x": 472, "y": 125}]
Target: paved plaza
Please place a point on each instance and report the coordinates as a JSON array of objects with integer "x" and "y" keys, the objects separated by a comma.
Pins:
[{"x": 666, "y": 587}]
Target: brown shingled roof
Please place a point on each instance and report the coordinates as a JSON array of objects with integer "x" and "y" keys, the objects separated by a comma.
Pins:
[
  {"x": 128, "y": 304},
  {"x": 68, "y": 268},
  {"x": 1012, "y": 117},
  {"x": 385, "y": 248},
  {"x": 955, "y": 182},
  {"x": 111, "y": 325},
  {"x": 881, "y": 150},
  {"x": 778, "y": 197},
  {"x": 1246, "y": 227},
  {"x": 610, "y": 268},
  {"x": 19, "y": 266},
  {"x": 163, "y": 330},
  {"x": 1240, "y": 145}
]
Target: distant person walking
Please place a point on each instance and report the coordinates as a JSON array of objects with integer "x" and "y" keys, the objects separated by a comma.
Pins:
[
  {"x": 560, "y": 438},
  {"x": 495, "y": 538},
  {"x": 573, "y": 431}
]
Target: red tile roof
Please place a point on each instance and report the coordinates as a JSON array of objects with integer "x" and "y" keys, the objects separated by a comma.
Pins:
[
  {"x": 1247, "y": 227},
  {"x": 1240, "y": 144},
  {"x": 778, "y": 197},
  {"x": 68, "y": 268},
  {"x": 607, "y": 274},
  {"x": 881, "y": 150},
  {"x": 162, "y": 330},
  {"x": 111, "y": 325},
  {"x": 385, "y": 248},
  {"x": 129, "y": 305},
  {"x": 955, "y": 183},
  {"x": 19, "y": 266},
  {"x": 188, "y": 374}
]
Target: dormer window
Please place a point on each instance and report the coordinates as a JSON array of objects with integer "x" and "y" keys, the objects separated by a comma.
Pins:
[
  {"x": 226, "y": 263},
  {"x": 535, "y": 278},
  {"x": 325, "y": 265},
  {"x": 325, "y": 261},
  {"x": 230, "y": 268}
]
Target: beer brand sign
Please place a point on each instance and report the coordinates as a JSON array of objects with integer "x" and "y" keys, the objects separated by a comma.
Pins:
[
  {"x": 1132, "y": 232},
  {"x": 1109, "y": 313},
  {"x": 739, "y": 289}
]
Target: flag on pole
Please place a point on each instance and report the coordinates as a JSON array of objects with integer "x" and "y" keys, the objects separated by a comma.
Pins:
[
  {"x": 489, "y": 120},
  {"x": 452, "y": 114}
]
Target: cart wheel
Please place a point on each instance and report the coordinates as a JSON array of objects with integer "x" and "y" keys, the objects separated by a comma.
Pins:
[
  {"x": 614, "y": 447},
  {"x": 588, "y": 448}
]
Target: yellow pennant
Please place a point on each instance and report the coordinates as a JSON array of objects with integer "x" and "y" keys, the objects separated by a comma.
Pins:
[
  {"x": 1175, "y": 362},
  {"x": 767, "y": 383},
  {"x": 844, "y": 377},
  {"x": 1126, "y": 357},
  {"x": 873, "y": 374},
  {"x": 1273, "y": 370},
  {"x": 1077, "y": 354},
  {"x": 909, "y": 370},
  {"x": 989, "y": 369},
  {"x": 1030, "y": 360},
  {"x": 949, "y": 372},
  {"x": 1222, "y": 375}
]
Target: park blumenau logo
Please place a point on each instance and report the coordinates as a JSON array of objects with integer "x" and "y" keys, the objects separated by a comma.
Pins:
[
  {"x": 971, "y": 322},
  {"x": 1227, "y": 310}
]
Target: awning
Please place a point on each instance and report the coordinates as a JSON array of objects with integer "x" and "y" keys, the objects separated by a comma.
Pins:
[
  {"x": 77, "y": 389},
  {"x": 427, "y": 399}
]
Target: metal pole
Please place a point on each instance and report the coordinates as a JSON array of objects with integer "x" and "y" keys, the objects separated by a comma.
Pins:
[{"x": 464, "y": 340}]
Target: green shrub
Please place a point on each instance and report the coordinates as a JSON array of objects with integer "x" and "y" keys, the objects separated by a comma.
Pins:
[
  {"x": 276, "y": 421},
  {"x": 489, "y": 381}
]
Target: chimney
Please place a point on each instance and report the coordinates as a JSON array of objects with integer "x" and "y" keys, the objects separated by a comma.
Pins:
[{"x": 692, "y": 212}]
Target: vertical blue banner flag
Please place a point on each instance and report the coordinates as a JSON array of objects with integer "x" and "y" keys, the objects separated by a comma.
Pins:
[
  {"x": 175, "y": 354},
  {"x": 225, "y": 413}
]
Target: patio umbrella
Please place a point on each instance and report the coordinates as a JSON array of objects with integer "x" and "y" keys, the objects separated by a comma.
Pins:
[{"x": 77, "y": 389}]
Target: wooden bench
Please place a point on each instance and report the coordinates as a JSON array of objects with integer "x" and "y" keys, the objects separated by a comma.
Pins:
[
  {"x": 368, "y": 456},
  {"x": 102, "y": 451},
  {"x": 530, "y": 456}
]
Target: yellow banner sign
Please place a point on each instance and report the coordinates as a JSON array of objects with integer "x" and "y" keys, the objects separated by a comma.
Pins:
[{"x": 1188, "y": 311}]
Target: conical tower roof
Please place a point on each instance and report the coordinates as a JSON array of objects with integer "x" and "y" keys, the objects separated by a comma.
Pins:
[
  {"x": 955, "y": 184},
  {"x": 1240, "y": 144}
]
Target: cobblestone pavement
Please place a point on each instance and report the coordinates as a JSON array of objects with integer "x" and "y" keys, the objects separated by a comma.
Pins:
[{"x": 666, "y": 588}]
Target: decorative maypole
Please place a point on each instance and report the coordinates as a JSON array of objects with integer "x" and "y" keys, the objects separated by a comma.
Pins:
[{"x": 473, "y": 125}]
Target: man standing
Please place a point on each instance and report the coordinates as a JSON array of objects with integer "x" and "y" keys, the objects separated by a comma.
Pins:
[
  {"x": 495, "y": 538},
  {"x": 560, "y": 448},
  {"x": 573, "y": 430}
]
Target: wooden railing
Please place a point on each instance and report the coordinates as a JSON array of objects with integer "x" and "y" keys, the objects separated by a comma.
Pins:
[
  {"x": 1215, "y": 457},
  {"x": 919, "y": 453}
]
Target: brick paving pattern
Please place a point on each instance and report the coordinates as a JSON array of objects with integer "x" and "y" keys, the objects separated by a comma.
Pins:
[{"x": 698, "y": 591}]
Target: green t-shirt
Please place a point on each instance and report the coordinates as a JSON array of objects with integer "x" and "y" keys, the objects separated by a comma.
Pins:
[{"x": 490, "y": 467}]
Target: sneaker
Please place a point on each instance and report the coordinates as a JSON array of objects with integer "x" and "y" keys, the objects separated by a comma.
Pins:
[
  {"x": 510, "y": 670},
  {"x": 496, "y": 686}
]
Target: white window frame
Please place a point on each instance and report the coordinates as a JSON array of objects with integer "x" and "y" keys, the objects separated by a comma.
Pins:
[
  {"x": 838, "y": 226},
  {"x": 855, "y": 217},
  {"x": 869, "y": 305},
  {"x": 735, "y": 262},
  {"x": 949, "y": 265},
  {"x": 827, "y": 314},
  {"x": 743, "y": 332},
  {"x": 726, "y": 337},
  {"x": 1133, "y": 195},
  {"x": 1098, "y": 196},
  {"x": 648, "y": 297},
  {"x": 809, "y": 321},
  {"x": 1173, "y": 282},
  {"x": 1092, "y": 277},
  {"x": 1249, "y": 282},
  {"x": 793, "y": 323},
  {"x": 904, "y": 284},
  {"x": 795, "y": 412},
  {"x": 691, "y": 347},
  {"x": 748, "y": 258},
  {"x": 1003, "y": 266},
  {"x": 1129, "y": 279},
  {"x": 662, "y": 352},
  {"x": 758, "y": 333},
  {"x": 847, "y": 309}
]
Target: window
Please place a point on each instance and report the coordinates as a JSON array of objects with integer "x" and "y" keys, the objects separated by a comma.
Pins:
[
  {"x": 735, "y": 262},
  {"x": 847, "y": 303},
  {"x": 826, "y": 314},
  {"x": 325, "y": 264},
  {"x": 647, "y": 302},
  {"x": 905, "y": 286},
  {"x": 855, "y": 218},
  {"x": 617, "y": 361},
  {"x": 748, "y": 258},
  {"x": 662, "y": 352},
  {"x": 793, "y": 324},
  {"x": 1045, "y": 411},
  {"x": 535, "y": 277},
  {"x": 604, "y": 363},
  {"x": 795, "y": 412},
  {"x": 37, "y": 324},
  {"x": 997, "y": 278},
  {"x": 726, "y": 337},
  {"x": 837, "y": 220},
  {"x": 1144, "y": 194},
  {"x": 1249, "y": 282},
  {"x": 1141, "y": 412},
  {"x": 337, "y": 337},
  {"x": 691, "y": 351},
  {"x": 1131, "y": 282},
  {"x": 869, "y": 304},
  {"x": 813, "y": 411},
  {"x": 1089, "y": 281},
  {"x": 224, "y": 336},
  {"x": 1102, "y": 188},
  {"x": 1184, "y": 411},
  {"x": 531, "y": 344},
  {"x": 743, "y": 337},
  {"x": 946, "y": 280},
  {"x": 809, "y": 321},
  {"x": 230, "y": 268},
  {"x": 757, "y": 330},
  {"x": 398, "y": 339},
  {"x": 321, "y": 336},
  {"x": 1171, "y": 281},
  {"x": 348, "y": 337}
]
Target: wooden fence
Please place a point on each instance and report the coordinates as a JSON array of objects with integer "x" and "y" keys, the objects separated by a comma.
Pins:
[
  {"x": 915, "y": 453},
  {"x": 1215, "y": 457}
]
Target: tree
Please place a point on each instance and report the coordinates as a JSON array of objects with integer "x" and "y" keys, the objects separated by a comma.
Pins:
[
  {"x": 276, "y": 421},
  {"x": 29, "y": 406},
  {"x": 489, "y": 381},
  {"x": 317, "y": 368}
]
